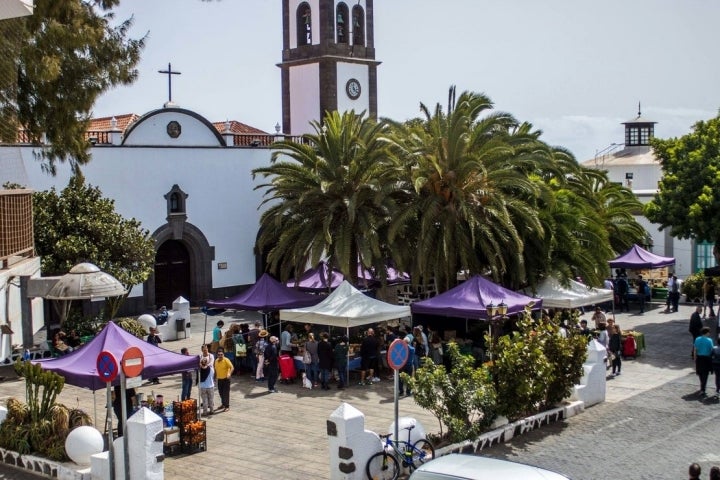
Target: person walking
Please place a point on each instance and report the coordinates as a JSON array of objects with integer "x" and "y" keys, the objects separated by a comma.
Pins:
[
  {"x": 187, "y": 379},
  {"x": 709, "y": 296},
  {"x": 696, "y": 325},
  {"x": 207, "y": 385},
  {"x": 154, "y": 339},
  {"x": 259, "y": 352},
  {"x": 670, "y": 289},
  {"x": 703, "y": 362},
  {"x": 615, "y": 349},
  {"x": 223, "y": 372},
  {"x": 325, "y": 359},
  {"x": 715, "y": 358},
  {"x": 272, "y": 363}
]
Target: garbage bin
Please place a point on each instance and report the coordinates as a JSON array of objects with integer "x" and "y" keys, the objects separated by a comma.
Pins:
[{"x": 180, "y": 326}]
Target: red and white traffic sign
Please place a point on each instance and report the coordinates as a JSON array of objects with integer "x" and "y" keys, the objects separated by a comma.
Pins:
[{"x": 133, "y": 362}]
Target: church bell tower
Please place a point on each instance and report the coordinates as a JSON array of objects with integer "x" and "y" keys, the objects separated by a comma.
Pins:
[{"x": 328, "y": 61}]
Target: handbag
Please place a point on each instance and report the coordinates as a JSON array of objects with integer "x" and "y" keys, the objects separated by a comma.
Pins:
[
  {"x": 240, "y": 349},
  {"x": 307, "y": 358}
]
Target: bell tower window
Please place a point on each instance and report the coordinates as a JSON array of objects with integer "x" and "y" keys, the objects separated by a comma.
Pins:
[
  {"x": 358, "y": 25},
  {"x": 639, "y": 131},
  {"x": 341, "y": 23},
  {"x": 304, "y": 24}
]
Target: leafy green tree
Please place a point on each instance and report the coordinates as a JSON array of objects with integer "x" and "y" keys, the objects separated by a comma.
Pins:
[
  {"x": 54, "y": 64},
  {"x": 330, "y": 196},
  {"x": 80, "y": 225},
  {"x": 688, "y": 198},
  {"x": 461, "y": 398}
]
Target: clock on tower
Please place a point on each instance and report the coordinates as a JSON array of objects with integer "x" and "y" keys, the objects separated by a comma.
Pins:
[{"x": 328, "y": 61}]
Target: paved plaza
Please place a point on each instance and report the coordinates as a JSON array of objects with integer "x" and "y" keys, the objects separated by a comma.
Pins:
[{"x": 651, "y": 426}]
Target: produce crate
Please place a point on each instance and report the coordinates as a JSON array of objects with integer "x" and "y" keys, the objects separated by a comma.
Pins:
[
  {"x": 185, "y": 412},
  {"x": 193, "y": 436}
]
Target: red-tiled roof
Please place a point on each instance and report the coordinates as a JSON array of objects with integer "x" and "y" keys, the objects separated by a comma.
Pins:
[
  {"x": 237, "y": 127},
  {"x": 102, "y": 124}
]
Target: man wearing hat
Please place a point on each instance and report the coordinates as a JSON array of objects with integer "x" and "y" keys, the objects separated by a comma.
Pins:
[
  {"x": 259, "y": 354},
  {"x": 272, "y": 363}
]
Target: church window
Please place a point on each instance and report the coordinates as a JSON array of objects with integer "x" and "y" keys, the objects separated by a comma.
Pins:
[
  {"x": 304, "y": 24},
  {"x": 341, "y": 23},
  {"x": 358, "y": 24}
]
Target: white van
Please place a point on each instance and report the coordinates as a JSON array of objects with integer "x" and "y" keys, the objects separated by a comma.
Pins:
[{"x": 470, "y": 467}]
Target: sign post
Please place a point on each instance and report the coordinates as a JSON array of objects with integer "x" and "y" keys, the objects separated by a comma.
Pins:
[
  {"x": 107, "y": 369},
  {"x": 133, "y": 362},
  {"x": 397, "y": 356}
]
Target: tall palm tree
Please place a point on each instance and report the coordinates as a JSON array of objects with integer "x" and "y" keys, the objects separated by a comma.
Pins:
[
  {"x": 329, "y": 197},
  {"x": 467, "y": 193}
]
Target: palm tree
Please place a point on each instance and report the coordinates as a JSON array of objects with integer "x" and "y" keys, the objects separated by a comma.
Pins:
[
  {"x": 467, "y": 192},
  {"x": 329, "y": 197}
]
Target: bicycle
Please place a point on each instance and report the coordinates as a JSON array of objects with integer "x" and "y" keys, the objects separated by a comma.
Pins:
[{"x": 385, "y": 465}]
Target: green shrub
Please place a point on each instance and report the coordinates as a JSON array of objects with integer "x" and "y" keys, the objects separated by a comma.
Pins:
[
  {"x": 566, "y": 356},
  {"x": 520, "y": 370},
  {"x": 462, "y": 399},
  {"x": 692, "y": 286}
]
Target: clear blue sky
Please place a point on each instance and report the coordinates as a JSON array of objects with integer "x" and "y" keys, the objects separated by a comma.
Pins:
[{"x": 573, "y": 68}]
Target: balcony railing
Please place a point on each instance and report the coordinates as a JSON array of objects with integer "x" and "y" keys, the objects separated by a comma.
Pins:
[{"x": 16, "y": 225}]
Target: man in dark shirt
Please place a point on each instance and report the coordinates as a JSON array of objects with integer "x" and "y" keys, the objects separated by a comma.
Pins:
[
  {"x": 696, "y": 325},
  {"x": 641, "y": 287},
  {"x": 368, "y": 353}
]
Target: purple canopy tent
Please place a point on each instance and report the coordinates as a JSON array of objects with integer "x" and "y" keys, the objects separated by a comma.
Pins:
[
  {"x": 267, "y": 294},
  {"x": 79, "y": 367},
  {"x": 470, "y": 300},
  {"x": 322, "y": 279},
  {"x": 638, "y": 257}
]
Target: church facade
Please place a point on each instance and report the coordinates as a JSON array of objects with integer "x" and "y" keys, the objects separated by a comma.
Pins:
[{"x": 189, "y": 181}]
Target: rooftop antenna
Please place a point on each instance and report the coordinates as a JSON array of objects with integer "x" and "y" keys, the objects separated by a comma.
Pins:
[{"x": 639, "y": 112}]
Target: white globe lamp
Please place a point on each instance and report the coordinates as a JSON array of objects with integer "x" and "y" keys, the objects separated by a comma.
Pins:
[{"x": 82, "y": 443}]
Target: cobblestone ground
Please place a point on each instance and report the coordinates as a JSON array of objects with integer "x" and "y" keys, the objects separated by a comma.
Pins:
[{"x": 651, "y": 426}]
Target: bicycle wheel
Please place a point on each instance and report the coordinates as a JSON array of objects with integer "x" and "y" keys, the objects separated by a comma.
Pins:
[
  {"x": 423, "y": 451},
  {"x": 382, "y": 466}
]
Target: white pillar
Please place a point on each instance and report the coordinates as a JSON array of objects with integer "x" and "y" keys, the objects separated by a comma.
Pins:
[
  {"x": 593, "y": 384},
  {"x": 350, "y": 444}
]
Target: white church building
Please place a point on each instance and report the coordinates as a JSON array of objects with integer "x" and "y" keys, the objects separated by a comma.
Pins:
[{"x": 189, "y": 182}]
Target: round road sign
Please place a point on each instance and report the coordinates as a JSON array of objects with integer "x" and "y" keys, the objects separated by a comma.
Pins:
[
  {"x": 107, "y": 366},
  {"x": 397, "y": 354},
  {"x": 133, "y": 362}
]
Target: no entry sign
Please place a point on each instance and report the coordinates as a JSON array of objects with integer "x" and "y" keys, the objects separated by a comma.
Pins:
[{"x": 133, "y": 362}]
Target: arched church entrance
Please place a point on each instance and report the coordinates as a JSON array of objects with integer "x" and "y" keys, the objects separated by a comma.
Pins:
[{"x": 172, "y": 273}]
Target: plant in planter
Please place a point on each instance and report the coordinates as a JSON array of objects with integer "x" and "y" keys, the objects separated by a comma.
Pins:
[
  {"x": 39, "y": 426},
  {"x": 461, "y": 398},
  {"x": 692, "y": 287},
  {"x": 566, "y": 356},
  {"x": 520, "y": 370}
]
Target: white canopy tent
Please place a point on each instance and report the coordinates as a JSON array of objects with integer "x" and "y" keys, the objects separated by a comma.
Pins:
[
  {"x": 346, "y": 307},
  {"x": 555, "y": 295}
]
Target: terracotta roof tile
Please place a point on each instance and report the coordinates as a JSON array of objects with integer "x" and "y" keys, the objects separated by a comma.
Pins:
[
  {"x": 238, "y": 127},
  {"x": 102, "y": 124}
]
